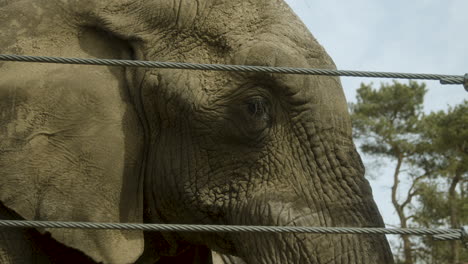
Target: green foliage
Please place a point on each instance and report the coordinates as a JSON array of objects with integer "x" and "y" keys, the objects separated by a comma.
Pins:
[
  {"x": 445, "y": 140},
  {"x": 386, "y": 119},
  {"x": 433, "y": 205}
]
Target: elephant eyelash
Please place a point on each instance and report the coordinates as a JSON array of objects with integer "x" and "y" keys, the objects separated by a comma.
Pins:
[
  {"x": 256, "y": 117},
  {"x": 258, "y": 107}
]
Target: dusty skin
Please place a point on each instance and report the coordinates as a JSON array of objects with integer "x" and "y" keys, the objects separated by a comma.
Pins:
[{"x": 113, "y": 144}]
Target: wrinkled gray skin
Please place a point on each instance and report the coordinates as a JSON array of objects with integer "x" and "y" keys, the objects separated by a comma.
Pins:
[{"x": 108, "y": 144}]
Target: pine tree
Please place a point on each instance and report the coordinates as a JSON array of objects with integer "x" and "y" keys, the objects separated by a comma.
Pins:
[{"x": 429, "y": 150}]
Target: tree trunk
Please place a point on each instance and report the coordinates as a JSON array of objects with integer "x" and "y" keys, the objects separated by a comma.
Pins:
[
  {"x": 455, "y": 246},
  {"x": 407, "y": 250}
]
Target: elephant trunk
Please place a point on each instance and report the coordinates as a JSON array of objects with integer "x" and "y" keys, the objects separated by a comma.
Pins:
[
  {"x": 339, "y": 196},
  {"x": 315, "y": 248}
]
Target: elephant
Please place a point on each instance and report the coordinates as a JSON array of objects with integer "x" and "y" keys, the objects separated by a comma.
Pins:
[{"x": 145, "y": 145}]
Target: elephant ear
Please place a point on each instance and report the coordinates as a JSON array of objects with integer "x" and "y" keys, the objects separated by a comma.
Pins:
[{"x": 71, "y": 145}]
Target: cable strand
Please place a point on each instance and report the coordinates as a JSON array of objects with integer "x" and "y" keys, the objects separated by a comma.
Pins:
[{"x": 439, "y": 234}]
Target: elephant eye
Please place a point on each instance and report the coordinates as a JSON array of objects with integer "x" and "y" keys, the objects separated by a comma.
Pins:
[
  {"x": 247, "y": 120},
  {"x": 257, "y": 114},
  {"x": 256, "y": 107}
]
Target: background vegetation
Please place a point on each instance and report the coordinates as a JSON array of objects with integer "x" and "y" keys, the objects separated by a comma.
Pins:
[{"x": 429, "y": 152}]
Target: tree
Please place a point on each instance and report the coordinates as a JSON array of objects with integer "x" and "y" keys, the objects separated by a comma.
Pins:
[
  {"x": 387, "y": 122},
  {"x": 443, "y": 152},
  {"x": 429, "y": 150}
]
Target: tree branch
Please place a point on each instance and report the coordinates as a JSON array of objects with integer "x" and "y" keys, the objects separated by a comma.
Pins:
[
  {"x": 411, "y": 193},
  {"x": 410, "y": 217}
]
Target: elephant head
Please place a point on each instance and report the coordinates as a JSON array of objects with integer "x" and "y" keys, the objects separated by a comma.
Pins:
[{"x": 109, "y": 144}]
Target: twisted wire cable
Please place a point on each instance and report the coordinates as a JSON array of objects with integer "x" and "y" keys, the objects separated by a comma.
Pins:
[
  {"x": 448, "y": 236},
  {"x": 441, "y": 234},
  {"x": 444, "y": 79}
]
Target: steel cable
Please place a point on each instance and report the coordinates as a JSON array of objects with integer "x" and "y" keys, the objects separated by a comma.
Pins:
[
  {"x": 444, "y": 79},
  {"x": 440, "y": 234}
]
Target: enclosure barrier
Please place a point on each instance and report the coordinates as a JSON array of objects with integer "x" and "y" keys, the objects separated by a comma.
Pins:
[{"x": 437, "y": 234}]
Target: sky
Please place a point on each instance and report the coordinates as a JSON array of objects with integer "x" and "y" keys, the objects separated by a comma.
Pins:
[{"x": 424, "y": 36}]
